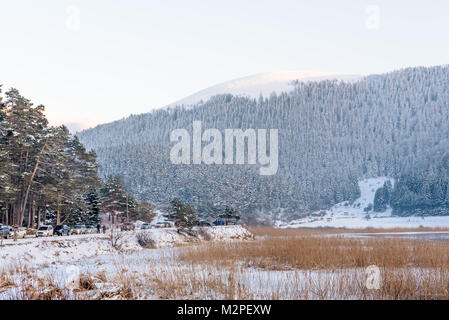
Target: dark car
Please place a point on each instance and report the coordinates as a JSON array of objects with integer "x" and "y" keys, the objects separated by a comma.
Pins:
[
  {"x": 204, "y": 223},
  {"x": 62, "y": 230},
  {"x": 4, "y": 231},
  {"x": 145, "y": 226},
  {"x": 219, "y": 222},
  {"x": 128, "y": 226},
  {"x": 230, "y": 222}
]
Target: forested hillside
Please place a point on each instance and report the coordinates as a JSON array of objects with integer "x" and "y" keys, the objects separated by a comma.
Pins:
[
  {"x": 330, "y": 135},
  {"x": 423, "y": 190}
]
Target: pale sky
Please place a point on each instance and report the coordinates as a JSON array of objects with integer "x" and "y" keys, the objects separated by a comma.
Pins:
[{"x": 94, "y": 61}]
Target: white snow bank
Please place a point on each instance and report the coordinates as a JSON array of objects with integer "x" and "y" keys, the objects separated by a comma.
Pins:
[
  {"x": 227, "y": 233},
  {"x": 36, "y": 251},
  {"x": 56, "y": 250},
  {"x": 169, "y": 237}
]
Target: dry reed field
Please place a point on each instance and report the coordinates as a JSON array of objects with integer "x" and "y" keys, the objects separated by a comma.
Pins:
[
  {"x": 276, "y": 264},
  {"x": 410, "y": 269},
  {"x": 330, "y": 253}
]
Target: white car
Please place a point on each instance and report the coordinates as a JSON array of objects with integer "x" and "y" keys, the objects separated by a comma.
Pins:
[
  {"x": 21, "y": 232},
  {"x": 44, "y": 231}
]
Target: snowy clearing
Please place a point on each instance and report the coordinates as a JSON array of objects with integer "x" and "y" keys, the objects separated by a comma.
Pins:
[{"x": 353, "y": 216}]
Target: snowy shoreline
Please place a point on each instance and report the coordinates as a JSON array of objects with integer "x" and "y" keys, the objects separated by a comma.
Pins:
[
  {"x": 352, "y": 215},
  {"x": 56, "y": 250}
]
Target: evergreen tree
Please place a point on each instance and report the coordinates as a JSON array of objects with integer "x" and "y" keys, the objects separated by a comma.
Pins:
[
  {"x": 114, "y": 199},
  {"x": 423, "y": 190},
  {"x": 44, "y": 171},
  {"x": 230, "y": 214},
  {"x": 183, "y": 215},
  {"x": 382, "y": 197},
  {"x": 145, "y": 211}
]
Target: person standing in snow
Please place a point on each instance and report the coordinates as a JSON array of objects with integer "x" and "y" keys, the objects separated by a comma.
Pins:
[
  {"x": 104, "y": 228},
  {"x": 98, "y": 228}
]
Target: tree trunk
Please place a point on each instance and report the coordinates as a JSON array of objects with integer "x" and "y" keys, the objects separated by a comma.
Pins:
[
  {"x": 7, "y": 215},
  {"x": 38, "y": 217},
  {"x": 30, "y": 209},
  {"x": 127, "y": 213},
  {"x": 58, "y": 212},
  {"x": 36, "y": 166},
  {"x": 33, "y": 214}
]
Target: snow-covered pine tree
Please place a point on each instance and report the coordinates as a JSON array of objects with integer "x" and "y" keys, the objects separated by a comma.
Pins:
[
  {"x": 183, "y": 215},
  {"x": 114, "y": 199},
  {"x": 382, "y": 197}
]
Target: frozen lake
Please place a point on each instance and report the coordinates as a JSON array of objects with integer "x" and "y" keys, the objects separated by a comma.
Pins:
[{"x": 431, "y": 235}]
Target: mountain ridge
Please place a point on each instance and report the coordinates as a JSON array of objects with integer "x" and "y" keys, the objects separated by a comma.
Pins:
[{"x": 262, "y": 84}]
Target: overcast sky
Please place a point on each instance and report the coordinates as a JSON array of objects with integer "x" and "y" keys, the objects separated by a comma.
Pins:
[{"x": 94, "y": 61}]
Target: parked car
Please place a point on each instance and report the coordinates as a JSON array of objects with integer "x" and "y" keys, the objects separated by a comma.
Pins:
[
  {"x": 62, "y": 230},
  {"x": 4, "y": 231},
  {"x": 44, "y": 231},
  {"x": 128, "y": 226},
  {"x": 79, "y": 229},
  {"x": 204, "y": 223},
  {"x": 219, "y": 222},
  {"x": 145, "y": 226},
  {"x": 164, "y": 224},
  {"x": 19, "y": 232},
  {"x": 91, "y": 229},
  {"x": 22, "y": 232}
]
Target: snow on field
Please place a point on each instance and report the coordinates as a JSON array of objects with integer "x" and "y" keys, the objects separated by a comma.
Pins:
[
  {"x": 48, "y": 264},
  {"x": 346, "y": 215},
  {"x": 36, "y": 251},
  {"x": 227, "y": 233},
  {"x": 159, "y": 274},
  {"x": 56, "y": 250}
]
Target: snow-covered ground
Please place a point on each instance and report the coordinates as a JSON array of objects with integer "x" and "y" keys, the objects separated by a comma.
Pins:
[
  {"x": 49, "y": 268},
  {"x": 159, "y": 274},
  {"x": 43, "y": 267},
  {"x": 57, "y": 250},
  {"x": 346, "y": 215}
]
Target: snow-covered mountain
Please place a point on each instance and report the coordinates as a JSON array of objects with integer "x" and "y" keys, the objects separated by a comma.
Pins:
[
  {"x": 331, "y": 134},
  {"x": 262, "y": 84}
]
